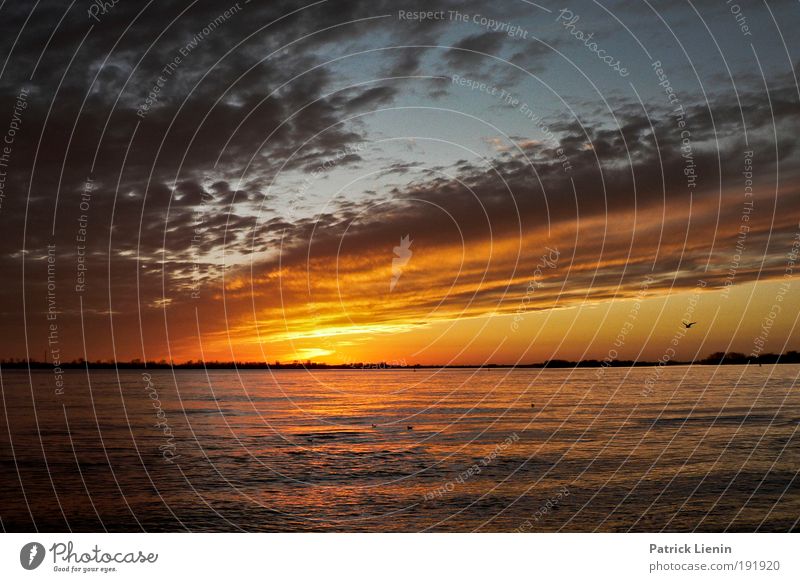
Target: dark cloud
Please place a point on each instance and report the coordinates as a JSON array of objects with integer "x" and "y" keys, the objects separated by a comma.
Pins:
[
  {"x": 473, "y": 49},
  {"x": 406, "y": 63},
  {"x": 371, "y": 98}
]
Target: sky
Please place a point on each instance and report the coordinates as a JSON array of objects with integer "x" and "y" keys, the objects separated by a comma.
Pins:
[{"x": 433, "y": 183}]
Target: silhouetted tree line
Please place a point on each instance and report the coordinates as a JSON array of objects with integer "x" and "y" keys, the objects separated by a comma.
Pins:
[
  {"x": 715, "y": 359},
  {"x": 195, "y": 365}
]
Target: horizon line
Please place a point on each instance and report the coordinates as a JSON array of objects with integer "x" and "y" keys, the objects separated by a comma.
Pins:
[{"x": 716, "y": 358}]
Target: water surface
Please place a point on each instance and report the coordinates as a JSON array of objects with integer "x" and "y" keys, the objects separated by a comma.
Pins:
[{"x": 708, "y": 449}]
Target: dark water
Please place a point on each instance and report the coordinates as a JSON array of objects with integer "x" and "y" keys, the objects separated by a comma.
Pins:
[{"x": 707, "y": 449}]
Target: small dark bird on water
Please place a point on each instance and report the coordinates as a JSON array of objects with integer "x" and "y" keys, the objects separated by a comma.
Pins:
[
  {"x": 688, "y": 325},
  {"x": 533, "y": 405},
  {"x": 374, "y": 425},
  {"x": 409, "y": 427}
]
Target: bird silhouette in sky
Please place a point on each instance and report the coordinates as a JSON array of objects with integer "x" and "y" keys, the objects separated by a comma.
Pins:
[{"x": 688, "y": 325}]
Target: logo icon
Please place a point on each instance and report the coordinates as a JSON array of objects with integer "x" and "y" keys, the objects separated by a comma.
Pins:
[
  {"x": 403, "y": 253},
  {"x": 31, "y": 555}
]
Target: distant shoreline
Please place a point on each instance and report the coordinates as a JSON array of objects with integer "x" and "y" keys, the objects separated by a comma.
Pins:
[{"x": 716, "y": 359}]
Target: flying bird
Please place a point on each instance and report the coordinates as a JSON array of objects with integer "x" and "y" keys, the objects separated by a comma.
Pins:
[{"x": 688, "y": 325}]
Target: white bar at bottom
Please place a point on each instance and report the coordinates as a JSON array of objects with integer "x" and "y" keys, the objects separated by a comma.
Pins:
[{"x": 404, "y": 557}]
